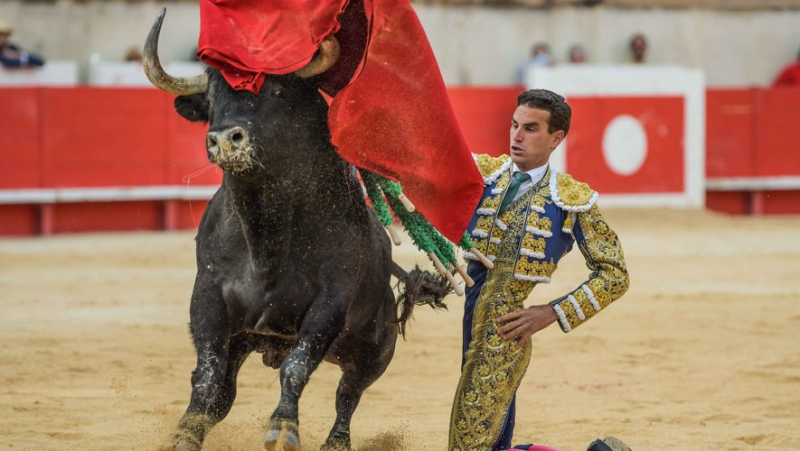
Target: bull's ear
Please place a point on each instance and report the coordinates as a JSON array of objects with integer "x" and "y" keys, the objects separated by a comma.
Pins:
[{"x": 192, "y": 107}]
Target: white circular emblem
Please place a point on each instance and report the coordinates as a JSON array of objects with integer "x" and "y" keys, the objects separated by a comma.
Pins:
[{"x": 625, "y": 144}]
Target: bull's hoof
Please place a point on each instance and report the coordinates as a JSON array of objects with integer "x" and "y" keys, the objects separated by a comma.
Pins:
[
  {"x": 191, "y": 431},
  {"x": 336, "y": 444},
  {"x": 282, "y": 435},
  {"x": 185, "y": 442}
]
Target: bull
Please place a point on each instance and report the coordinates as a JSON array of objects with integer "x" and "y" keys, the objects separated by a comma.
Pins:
[{"x": 291, "y": 262}]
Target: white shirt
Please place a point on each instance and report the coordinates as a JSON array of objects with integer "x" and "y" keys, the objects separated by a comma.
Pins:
[{"x": 536, "y": 176}]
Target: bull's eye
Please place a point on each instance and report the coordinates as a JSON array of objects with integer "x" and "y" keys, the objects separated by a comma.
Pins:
[{"x": 277, "y": 93}]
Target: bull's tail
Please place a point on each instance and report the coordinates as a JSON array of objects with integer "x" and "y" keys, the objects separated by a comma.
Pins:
[{"x": 418, "y": 287}]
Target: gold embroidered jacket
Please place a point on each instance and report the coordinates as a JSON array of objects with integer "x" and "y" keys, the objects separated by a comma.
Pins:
[{"x": 558, "y": 211}]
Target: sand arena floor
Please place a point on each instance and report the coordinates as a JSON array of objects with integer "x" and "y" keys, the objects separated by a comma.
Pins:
[{"x": 702, "y": 353}]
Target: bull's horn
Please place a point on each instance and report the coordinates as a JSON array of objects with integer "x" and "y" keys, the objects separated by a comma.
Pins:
[
  {"x": 155, "y": 73},
  {"x": 327, "y": 56}
]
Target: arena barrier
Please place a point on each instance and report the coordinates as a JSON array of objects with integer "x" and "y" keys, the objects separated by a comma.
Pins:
[
  {"x": 164, "y": 208},
  {"x": 637, "y": 132},
  {"x": 752, "y": 160},
  {"x": 85, "y": 159},
  {"x": 111, "y": 159}
]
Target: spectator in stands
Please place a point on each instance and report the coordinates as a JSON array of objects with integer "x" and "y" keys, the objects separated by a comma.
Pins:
[
  {"x": 12, "y": 55},
  {"x": 133, "y": 55},
  {"x": 577, "y": 55},
  {"x": 638, "y": 45},
  {"x": 540, "y": 56},
  {"x": 790, "y": 74}
]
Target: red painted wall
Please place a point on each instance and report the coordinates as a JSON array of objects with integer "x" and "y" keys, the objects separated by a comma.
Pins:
[
  {"x": 93, "y": 137},
  {"x": 753, "y": 132},
  {"x": 18, "y": 220},
  {"x": 106, "y": 216},
  {"x": 730, "y": 118},
  {"x": 662, "y": 120},
  {"x": 777, "y": 131},
  {"x": 733, "y": 202},
  {"x": 20, "y": 134}
]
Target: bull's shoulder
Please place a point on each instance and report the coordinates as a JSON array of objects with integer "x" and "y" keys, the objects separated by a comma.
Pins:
[
  {"x": 570, "y": 194},
  {"x": 491, "y": 167}
]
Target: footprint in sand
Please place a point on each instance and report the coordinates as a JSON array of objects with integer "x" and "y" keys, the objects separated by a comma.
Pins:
[{"x": 753, "y": 439}]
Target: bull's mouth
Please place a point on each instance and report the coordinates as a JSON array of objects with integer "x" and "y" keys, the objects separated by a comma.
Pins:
[
  {"x": 235, "y": 168},
  {"x": 238, "y": 163}
]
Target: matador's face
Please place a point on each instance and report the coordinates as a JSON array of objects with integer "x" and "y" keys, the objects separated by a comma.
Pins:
[{"x": 531, "y": 141}]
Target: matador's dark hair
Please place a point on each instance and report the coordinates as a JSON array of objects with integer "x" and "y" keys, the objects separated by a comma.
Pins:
[{"x": 560, "y": 111}]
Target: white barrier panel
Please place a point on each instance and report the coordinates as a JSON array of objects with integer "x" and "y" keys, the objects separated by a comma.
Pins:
[
  {"x": 638, "y": 133},
  {"x": 132, "y": 74},
  {"x": 53, "y": 73}
]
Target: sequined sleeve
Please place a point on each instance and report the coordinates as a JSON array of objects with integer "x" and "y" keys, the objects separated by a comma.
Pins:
[{"x": 609, "y": 278}]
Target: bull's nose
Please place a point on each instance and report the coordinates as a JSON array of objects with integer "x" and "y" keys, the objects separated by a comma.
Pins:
[{"x": 225, "y": 141}]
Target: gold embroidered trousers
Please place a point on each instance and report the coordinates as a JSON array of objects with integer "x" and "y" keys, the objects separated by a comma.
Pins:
[{"x": 493, "y": 369}]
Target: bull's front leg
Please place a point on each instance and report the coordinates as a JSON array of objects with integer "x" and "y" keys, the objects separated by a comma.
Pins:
[
  {"x": 219, "y": 358},
  {"x": 321, "y": 326}
]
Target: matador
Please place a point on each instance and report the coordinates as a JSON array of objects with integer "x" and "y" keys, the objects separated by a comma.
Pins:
[{"x": 524, "y": 230}]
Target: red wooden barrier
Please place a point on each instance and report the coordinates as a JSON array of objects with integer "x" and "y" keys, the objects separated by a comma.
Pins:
[
  {"x": 20, "y": 136},
  {"x": 730, "y": 118},
  {"x": 777, "y": 132},
  {"x": 103, "y": 137},
  {"x": 18, "y": 220},
  {"x": 752, "y": 133},
  {"x": 730, "y": 139},
  {"x": 95, "y": 137},
  {"x": 662, "y": 121}
]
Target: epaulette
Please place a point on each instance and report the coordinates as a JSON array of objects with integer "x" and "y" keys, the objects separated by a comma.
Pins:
[
  {"x": 491, "y": 167},
  {"x": 570, "y": 194}
]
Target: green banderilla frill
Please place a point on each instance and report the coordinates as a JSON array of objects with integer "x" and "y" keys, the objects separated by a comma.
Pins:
[
  {"x": 422, "y": 232},
  {"x": 375, "y": 195}
]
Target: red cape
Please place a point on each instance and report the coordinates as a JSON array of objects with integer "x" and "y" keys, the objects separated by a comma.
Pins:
[{"x": 390, "y": 111}]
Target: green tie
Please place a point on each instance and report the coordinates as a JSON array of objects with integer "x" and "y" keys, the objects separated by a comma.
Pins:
[{"x": 518, "y": 179}]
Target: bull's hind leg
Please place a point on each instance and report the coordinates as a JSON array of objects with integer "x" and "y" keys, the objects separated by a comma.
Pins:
[
  {"x": 320, "y": 327},
  {"x": 356, "y": 377}
]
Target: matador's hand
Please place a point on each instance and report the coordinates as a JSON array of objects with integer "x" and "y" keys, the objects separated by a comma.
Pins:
[{"x": 526, "y": 322}]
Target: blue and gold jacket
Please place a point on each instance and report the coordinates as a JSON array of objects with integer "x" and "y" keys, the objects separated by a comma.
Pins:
[{"x": 537, "y": 230}]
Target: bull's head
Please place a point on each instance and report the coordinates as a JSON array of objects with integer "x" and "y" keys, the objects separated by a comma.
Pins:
[{"x": 250, "y": 131}]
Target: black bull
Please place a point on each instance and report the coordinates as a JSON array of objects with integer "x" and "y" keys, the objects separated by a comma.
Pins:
[{"x": 291, "y": 262}]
